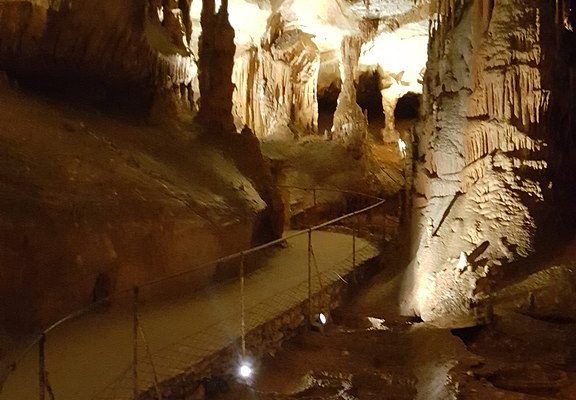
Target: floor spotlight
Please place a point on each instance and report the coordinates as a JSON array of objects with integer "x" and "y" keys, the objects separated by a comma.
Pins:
[
  {"x": 245, "y": 371},
  {"x": 319, "y": 321}
]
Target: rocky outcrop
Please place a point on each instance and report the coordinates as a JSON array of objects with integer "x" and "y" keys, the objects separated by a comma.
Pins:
[
  {"x": 90, "y": 206},
  {"x": 482, "y": 184},
  {"x": 139, "y": 53},
  {"x": 96, "y": 205},
  {"x": 395, "y": 50},
  {"x": 280, "y": 69}
]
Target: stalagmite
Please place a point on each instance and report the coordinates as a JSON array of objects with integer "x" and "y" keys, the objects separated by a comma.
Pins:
[{"x": 350, "y": 124}]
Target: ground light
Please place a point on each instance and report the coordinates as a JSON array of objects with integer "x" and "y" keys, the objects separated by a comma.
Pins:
[
  {"x": 319, "y": 321},
  {"x": 245, "y": 371}
]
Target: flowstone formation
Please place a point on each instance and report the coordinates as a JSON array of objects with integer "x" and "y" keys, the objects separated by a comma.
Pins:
[
  {"x": 483, "y": 181},
  {"x": 277, "y": 83}
]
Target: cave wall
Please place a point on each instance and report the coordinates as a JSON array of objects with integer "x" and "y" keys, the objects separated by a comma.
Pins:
[
  {"x": 140, "y": 53},
  {"x": 483, "y": 187},
  {"x": 92, "y": 205},
  {"x": 84, "y": 196}
]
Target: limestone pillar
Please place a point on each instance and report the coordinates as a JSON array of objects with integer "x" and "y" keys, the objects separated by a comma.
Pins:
[
  {"x": 350, "y": 125},
  {"x": 482, "y": 180},
  {"x": 215, "y": 65}
]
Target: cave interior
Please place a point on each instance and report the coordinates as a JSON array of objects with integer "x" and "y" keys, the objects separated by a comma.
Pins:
[{"x": 142, "y": 140}]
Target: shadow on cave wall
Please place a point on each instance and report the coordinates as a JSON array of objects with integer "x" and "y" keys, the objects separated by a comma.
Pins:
[
  {"x": 408, "y": 106},
  {"x": 114, "y": 97},
  {"x": 327, "y": 102},
  {"x": 369, "y": 99}
]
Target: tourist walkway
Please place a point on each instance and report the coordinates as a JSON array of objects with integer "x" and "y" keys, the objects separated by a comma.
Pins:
[{"x": 91, "y": 357}]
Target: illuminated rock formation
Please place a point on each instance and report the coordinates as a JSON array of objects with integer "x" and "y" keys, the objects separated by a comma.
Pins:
[
  {"x": 483, "y": 178},
  {"x": 289, "y": 53},
  {"x": 350, "y": 124},
  {"x": 284, "y": 86},
  {"x": 396, "y": 49}
]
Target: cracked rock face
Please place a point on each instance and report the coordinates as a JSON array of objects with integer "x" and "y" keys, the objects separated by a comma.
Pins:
[{"x": 482, "y": 176}]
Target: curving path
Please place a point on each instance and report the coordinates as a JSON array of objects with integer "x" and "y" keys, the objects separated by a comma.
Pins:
[{"x": 90, "y": 357}]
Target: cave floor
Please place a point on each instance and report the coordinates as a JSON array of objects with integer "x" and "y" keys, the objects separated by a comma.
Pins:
[
  {"x": 370, "y": 352},
  {"x": 89, "y": 357}
]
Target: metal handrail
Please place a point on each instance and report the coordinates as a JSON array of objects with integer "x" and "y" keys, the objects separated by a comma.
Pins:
[
  {"x": 262, "y": 246},
  {"x": 325, "y": 189},
  {"x": 230, "y": 257}
]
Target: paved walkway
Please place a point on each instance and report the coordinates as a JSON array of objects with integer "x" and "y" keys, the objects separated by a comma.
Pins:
[{"x": 90, "y": 358}]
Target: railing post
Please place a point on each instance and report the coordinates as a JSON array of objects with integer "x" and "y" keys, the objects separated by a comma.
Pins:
[
  {"x": 151, "y": 361},
  {"x": 354, "y": 227},
  {"x": 310, "y": 276},
  {"x": 42, "y": 367},
  {"x": 384, "y": 222},
  {"x": 135, "y": 343},
  {"x": 400, "y": 205},
  {"x": 242, "y": 308}
]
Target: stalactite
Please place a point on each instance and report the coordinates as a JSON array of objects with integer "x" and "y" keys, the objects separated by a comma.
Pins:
[
  {"x": 515, "y": 92},
  {"x": 443, "y": 11},
  {"x": 484, "y": 138},
  {"x": 148, "y": 51}
]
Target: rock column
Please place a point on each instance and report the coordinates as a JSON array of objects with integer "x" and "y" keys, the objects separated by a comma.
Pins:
[
  {"x": 350, "y": 124},
  {"x": 215, "y": 65},
  {"x": 482, "y": 180}
]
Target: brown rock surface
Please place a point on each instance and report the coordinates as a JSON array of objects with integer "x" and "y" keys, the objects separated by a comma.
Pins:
[
  {"x": 87, "y": 198},
  {"x": 139, "y": 52}
]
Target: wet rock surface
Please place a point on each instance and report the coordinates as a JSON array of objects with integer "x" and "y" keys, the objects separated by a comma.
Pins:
[
  {"x": 518, "y": 357},
  {"x": 368, "y": 352}
]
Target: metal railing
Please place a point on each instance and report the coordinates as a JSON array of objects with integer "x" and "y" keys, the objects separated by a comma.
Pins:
[
  {"x": 138, "y": 337},
  {"x": 387, "y": 224}
]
